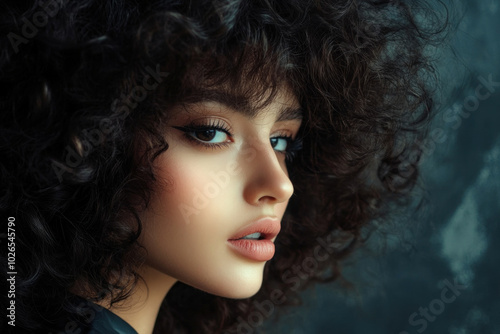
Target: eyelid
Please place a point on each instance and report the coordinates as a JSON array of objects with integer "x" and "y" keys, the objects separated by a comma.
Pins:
[
  {"x": 206, "y": 123},
  {"x": 284, "y": 133}
]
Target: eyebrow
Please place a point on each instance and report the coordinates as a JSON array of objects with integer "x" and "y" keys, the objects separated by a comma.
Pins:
[{"x": 240, "y": 104}]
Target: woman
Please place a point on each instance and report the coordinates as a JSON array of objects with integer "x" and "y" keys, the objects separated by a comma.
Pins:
[{"x": 152, "y": 153}]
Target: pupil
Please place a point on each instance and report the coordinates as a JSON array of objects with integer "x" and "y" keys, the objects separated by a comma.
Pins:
[
  {"x": 274, "y": 142},
  {"x": 206, "y": 135}
]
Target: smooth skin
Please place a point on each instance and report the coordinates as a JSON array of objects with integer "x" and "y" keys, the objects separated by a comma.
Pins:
[{"x": 223, "y": 170}]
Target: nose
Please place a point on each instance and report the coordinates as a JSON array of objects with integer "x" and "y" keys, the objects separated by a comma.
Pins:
[{"x": 267, "y": 178}]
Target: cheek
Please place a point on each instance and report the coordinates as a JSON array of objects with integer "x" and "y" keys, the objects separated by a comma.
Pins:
[
  {"x": 197, "y": 206},
  {"x": 280, "y": 209},
  {"x": 186, "y": 229},
  {"x": 181, "y": 183},
  {"x": 192, "y": 187},
  {"x": 172, "y": 234},
  {"x": 176, "y": 205}
]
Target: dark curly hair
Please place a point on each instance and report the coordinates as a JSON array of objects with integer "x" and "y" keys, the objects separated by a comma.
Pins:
[{"x": 78, "y": 103}]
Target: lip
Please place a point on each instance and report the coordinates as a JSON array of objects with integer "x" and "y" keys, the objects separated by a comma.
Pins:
[{"x": 258, "y": 250}]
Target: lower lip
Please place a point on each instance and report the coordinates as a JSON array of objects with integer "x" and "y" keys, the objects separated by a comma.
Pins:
[{"x": 258, "y": 250}]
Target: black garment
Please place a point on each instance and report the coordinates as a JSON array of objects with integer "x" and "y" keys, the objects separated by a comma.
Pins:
[
  {"x": 93, "y": 319},
  {"x": 106, "y": 322}
]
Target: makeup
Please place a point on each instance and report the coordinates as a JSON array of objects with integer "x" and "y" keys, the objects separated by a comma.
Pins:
[{"x": 255, "y": 241}]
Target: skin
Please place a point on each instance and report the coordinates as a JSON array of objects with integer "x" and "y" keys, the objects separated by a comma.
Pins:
[{"x": 192, "y": 213}]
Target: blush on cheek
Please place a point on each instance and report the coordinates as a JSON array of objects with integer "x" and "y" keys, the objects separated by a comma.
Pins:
[{"x": 189, "y": 190}]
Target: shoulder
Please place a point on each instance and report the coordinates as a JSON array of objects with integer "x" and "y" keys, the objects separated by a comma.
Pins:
[
  {"x": 106, "y": 322},
  {"x": 93, "y": 319}
]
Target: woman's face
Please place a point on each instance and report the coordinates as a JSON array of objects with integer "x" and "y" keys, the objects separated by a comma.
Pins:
[{"x": 222, "y": 178}]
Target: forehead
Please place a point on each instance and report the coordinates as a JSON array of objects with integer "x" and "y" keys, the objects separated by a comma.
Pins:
[{"x": 287, "y": 105}]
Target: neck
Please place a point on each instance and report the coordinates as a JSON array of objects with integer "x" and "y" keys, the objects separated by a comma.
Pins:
[{"x": 141, "y": 308}]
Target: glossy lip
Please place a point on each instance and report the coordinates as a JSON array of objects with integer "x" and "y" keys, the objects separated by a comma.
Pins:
[{"x": 258, "y": 250}]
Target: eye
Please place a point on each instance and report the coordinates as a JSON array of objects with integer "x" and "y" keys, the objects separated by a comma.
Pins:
[
  {"x": 213, "y": 134},
  {"x": 280, "y": 143},
  {"x": 287, "y": 145},
  {"x": 209, "y": 135}
]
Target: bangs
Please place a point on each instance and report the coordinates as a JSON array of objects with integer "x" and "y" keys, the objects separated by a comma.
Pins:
[
  {"x": 249, "y": 77},
  {"x": 233, "y": 56}
]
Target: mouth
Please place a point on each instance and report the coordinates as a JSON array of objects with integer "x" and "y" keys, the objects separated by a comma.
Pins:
[
  {"x": 253, "y": 236},
  {"x": 262, "y": 229},
  {"x": 255, "y": 241}
]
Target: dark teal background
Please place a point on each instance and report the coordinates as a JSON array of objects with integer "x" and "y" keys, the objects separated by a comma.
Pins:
[{"x": 454, "y": 238}]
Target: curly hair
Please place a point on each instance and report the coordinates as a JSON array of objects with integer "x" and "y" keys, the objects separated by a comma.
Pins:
[{"x": 88, "y": 87}]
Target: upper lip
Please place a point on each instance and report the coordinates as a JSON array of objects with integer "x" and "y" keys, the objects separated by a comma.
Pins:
[{"x": 268, "y": 227}]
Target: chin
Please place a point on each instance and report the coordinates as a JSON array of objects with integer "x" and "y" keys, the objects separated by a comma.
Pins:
[
  {"x": 241, "y": 291},
  {"x": 236, "y": 285}
]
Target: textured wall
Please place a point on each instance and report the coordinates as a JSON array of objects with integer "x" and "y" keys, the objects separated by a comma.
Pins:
[{"x": 439, "y": 270}]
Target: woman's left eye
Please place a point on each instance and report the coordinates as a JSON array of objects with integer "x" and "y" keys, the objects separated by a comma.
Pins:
[
  {"x": 287, "y": 145},
  {"x": 280, "y": 143}
]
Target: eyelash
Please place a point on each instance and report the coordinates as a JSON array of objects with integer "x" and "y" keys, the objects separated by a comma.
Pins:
[
  {"x": 292, "y": 148},
  {"x": 191, "y": 128}
]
